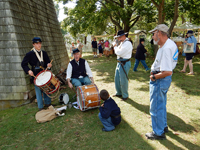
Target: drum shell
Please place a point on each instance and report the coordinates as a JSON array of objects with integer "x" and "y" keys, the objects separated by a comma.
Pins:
[{"x": 88, "y": 97}]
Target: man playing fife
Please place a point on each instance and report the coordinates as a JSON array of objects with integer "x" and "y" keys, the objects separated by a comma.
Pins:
[
  {"x": 78, "y": 71},
  {"x": 160, "y": 80},
  {"x": 123, "y": 52}
]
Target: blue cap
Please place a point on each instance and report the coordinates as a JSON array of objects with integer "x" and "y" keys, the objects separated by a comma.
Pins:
[
  {"x": 190, "y": 32},
  {"x": 36, "y": 40},
  {"x": 75, "y": 51}
]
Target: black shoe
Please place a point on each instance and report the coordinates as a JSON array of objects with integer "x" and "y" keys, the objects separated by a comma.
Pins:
[
  {"x": 117, "y": 95},
  {"x": 103, "y": 129},
  {"x": 123, "y": 99},
  {"x": 166, "y": 130},
  {"x": 47, "y": 105},
  {"x": 152, "y": 136},
  {"x": 41, "y": 109}
]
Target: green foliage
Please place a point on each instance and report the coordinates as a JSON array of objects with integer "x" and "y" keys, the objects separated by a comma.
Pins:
[{"x": 191, "y": 8}]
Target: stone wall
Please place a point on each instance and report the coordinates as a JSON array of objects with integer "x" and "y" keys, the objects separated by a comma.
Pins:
[{"x": 20, "y": 21}]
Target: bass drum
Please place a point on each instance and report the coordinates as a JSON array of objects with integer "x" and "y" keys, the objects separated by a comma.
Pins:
[{"x": 88, "y": 97}]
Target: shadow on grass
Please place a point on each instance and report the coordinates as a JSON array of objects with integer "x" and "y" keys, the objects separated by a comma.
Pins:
[
  {"x": 174, "y": 122},
  {"x": 105, "y": 68}
]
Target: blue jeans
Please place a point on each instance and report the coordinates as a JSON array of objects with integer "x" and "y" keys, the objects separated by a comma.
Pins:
[
  {"x": 47, "y": 100},
  {"x": 81, "y": 81},
  {"x": 137, "y": 61},
  {"x": 158, "y": 101},
  {"x": 107, "y": 123},
  {"x": 121, "y": 81}
]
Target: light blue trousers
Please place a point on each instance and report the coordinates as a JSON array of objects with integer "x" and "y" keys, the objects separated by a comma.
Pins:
[
  {"x": 158, "y": 100},
  {"x": 47, "y": 100},
  {"x": 121, "y": 81},
  {"x": 81, "y": 81},
  {"x": 107, "y": 123}
]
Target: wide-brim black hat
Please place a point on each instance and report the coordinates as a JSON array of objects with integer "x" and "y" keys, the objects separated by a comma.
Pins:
[
  {"x": 121, "y": 33},
  {"x": 75, "y": 51}
]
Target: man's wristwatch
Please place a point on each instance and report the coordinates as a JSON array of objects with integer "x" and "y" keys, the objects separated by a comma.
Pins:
[{"x": 154, "y": 77}]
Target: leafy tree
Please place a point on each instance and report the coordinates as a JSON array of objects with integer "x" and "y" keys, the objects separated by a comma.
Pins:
[
  {"x": 167, "y": 9},
  {"x": 97, "y": 16}
]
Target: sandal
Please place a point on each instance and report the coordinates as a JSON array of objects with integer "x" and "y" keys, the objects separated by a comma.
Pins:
[
  {"x": 190, "y": 73},
  {"x": 182, "y": 71}
]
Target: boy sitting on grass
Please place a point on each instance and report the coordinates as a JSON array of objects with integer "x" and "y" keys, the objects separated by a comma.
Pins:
[{"x": 109, "y": 112}]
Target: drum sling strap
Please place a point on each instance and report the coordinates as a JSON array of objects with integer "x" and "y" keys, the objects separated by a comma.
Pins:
[
  {"x": 40, "y": 58},
  {"x": 122, "y": 63}
]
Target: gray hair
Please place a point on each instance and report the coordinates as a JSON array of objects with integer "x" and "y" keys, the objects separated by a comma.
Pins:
[{"x": 190, "y": 34}]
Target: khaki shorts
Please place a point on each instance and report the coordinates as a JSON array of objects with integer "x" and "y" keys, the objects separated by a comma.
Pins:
[
  {"x": 94, "y": 50},
  {"x": 107, "y": 48}
]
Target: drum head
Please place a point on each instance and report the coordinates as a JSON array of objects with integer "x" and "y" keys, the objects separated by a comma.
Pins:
[
  {"x": 65, "y": 98},
  {"x": 43, "y": 78},
  {"x": 80, "y": 98}
]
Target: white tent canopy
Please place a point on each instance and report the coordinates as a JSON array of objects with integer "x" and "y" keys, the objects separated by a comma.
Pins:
[{"x": 186, "y": 26}]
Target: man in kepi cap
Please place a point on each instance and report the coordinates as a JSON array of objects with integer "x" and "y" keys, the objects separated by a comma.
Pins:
[
  {"x": 191, "y": 39},
  {"x": 39, "y": 60},
  {"x": 78, "y": 71},
  {"x": 124, "y": 53},
  {"x": 160, "y": 80}
]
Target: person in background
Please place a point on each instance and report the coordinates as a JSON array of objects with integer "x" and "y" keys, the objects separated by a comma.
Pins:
[
  {"x": 130, "y": 41},
  {"x": 140, "y": 56},
  {"x": 100, "y": 48},
  {"x": 103, "y": 46},
  {"x": 94, "y": 47},
  {"x": 80, "y": 46},
  {"x": 188, "y": 60},
  {"x": 107, "y": 48},
  {"x": 109, "y": 114},
  {"x": 72, "y": 47}
]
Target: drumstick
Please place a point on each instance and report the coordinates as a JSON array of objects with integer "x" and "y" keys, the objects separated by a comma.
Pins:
[{"x": 47, "y": 67}]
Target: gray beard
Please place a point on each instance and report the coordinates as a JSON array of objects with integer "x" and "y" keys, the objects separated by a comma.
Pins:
[{"x": 156, "y": 42}]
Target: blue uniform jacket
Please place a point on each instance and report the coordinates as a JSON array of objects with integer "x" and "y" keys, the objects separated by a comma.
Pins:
[
  {"x": 32, "y": 59},
  {"x": 111, "y": 109}
]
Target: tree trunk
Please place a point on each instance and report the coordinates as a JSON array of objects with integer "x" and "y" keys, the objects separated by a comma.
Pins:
[{"x": 175, "y": 17}]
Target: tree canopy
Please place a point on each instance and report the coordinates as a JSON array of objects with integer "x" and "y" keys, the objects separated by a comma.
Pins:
[{"x": 108, "y": 16}]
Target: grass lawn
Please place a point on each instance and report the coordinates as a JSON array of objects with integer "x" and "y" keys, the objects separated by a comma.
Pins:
[{"x": 82, "y": 130}]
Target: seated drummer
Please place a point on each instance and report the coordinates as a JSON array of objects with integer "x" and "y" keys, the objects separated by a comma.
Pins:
[
  {"x": 38, "y": 59},
  {"x": 78, "y": 71}
]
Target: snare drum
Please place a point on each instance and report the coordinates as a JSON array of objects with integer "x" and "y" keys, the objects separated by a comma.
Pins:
[
  {"x": 47, "y": 82},
  {"x": 88, "y": 97}
]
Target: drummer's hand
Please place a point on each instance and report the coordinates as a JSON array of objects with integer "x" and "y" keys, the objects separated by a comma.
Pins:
[
  {"x": 49, "y": 65},
  {"x": 70, "y": 85},
  {"x": 30, "y": 72},
  {"x": 92, "y": 80},
  {"x": 102, "y": 105}
]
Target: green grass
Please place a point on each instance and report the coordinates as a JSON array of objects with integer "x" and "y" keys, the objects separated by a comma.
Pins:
[{"x": 82, "y": 130}]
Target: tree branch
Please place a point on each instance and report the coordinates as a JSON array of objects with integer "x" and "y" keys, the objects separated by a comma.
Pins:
[
  {"x": 156, "y": 4},
  {"x": 136, "y": 19},
  {"x": 175, "y": 17},
  {"x": 112, "y": 1}
]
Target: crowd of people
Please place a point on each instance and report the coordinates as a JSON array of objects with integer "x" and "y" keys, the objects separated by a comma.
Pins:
[{"x": 79, "y": 73}]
